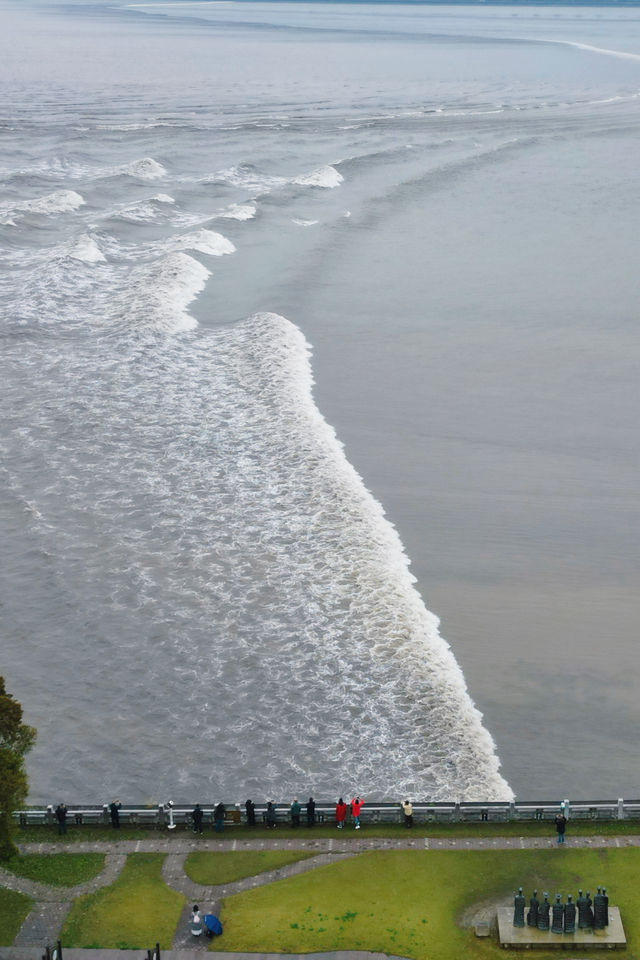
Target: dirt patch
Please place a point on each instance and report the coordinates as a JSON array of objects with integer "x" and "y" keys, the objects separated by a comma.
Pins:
[{"x": 483, "y": 910}]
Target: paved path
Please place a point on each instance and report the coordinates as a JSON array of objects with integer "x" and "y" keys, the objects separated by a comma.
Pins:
[
  {"x": 45, "y": 920},
  {"x": 333, "y": 845},
  {"x": 16, "y": 953}
]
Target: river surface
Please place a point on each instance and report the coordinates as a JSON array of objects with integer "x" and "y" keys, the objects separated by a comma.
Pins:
[{"x": 320, "y": 364}]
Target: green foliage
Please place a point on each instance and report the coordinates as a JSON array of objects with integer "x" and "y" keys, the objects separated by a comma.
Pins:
[
  {"x": 14, "y": 907},
  {"x": 133, "y": 913},
  {"x": 212, "y": 868},
  {"x": 16, "y": 739},
  {"x": 414, "y": 901},
  {"x": 57, "y": 869}
]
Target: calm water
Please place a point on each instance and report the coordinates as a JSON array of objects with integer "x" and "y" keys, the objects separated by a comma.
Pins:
[{"x": 203, "y": 592}]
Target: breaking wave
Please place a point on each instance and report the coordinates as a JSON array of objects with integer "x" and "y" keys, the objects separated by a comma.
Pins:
[{"x": 62, "y": 201}]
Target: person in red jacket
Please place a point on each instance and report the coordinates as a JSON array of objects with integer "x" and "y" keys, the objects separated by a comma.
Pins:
[
  {"x": 341, "y": 813},
  {"x": 356, "y": 807}
]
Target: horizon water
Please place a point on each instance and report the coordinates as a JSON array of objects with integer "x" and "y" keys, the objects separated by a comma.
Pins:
[{"x": 236, "y": 236}]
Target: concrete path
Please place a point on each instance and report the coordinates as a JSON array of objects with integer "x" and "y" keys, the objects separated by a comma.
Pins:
[
  {"x": 24, "y": 953},
  {"x": 349, "y": 844},
  {"x": 44, "y": 921}
]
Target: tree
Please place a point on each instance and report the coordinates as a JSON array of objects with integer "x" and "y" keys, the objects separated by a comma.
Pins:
[{"x": 16, "y": 739}]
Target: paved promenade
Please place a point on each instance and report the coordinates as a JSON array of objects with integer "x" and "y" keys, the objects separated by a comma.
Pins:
[{"x": 43, "y": 924}]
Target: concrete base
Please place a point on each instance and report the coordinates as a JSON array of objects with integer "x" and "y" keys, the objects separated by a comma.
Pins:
[{"x": 526, "y": 938}]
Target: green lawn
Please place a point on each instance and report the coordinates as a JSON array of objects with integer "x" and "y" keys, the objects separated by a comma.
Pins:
[
  {"x": 212, "y": 868},
  {"x": 133, "y": 913},
  {"x": 57, "y": 869},
  {"x": 407, "y": 903},
  {"x": 13, "y": 909}
]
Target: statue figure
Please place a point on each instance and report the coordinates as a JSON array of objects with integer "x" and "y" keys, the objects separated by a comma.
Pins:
[
  {"x": 589, "y": 910},
  {"x": 543, "y": 913},
  {"x": 583, "y": 911},
  {"x": 532, "y": 916},
  {"x": 518, "y": 909},
  {"x": 605, "y": 905},
  {"x": 598, "y": 912},
  {"x": 569, "y": 916},
  {"x": 557, "y": 916}
]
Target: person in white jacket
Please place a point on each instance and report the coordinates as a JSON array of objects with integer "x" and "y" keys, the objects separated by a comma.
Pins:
[{"x": 197, "y": 926}]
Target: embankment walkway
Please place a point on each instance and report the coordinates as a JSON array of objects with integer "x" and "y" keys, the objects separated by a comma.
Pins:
[{"x": 43, "y": 924}]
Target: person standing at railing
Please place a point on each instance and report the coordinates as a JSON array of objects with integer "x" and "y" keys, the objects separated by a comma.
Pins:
[
  {"x": 61, "y": 817},
  {"x": 270, "y": 816},
  {"x": 197, "y": 818},
  {"x": 407, "y": 810},
  {"x": 311, "y": 812},
  {"x": 114, "y": 810},
  {"x": 341, "y": 813},
  {"x": 356, "y": 806},
  {"x": 250, "y": 807},
  {"x": 218, "y": 817},
  {"x": 295, "y": 814}
]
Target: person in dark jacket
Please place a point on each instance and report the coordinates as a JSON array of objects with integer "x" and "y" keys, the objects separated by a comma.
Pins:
[
  {"x": 250, "y": 807},
  {"x": 295, "y": 814},
  {"x": 270, "y": 817},
  {"x": 114, "y": 810},
  {"x": 197, "y": 818},
  {"x": 311, "y": 812},
  {"x": 61, "y": 817},
  {"x": 561, "y": 826},
  {"x": 218, "y": 817}
]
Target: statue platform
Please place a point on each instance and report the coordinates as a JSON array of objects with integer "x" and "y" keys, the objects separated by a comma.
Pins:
[{"x": 527, "y": 938}]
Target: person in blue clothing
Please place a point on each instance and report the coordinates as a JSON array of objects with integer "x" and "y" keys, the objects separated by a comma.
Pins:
[{"x": 218, "y": 817}]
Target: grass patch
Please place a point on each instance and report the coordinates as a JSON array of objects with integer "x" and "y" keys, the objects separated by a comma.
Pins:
[
  {"x": 57, "y": 869},
  {"x": 212, "y": 868},
  {"x": 13, "y": 909},
  {"x": 133, "y": 913},
  {"x": 406, "y": 903}
]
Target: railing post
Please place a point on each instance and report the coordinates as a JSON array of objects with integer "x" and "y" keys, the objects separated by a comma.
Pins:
[
  {"x": 456, "y": 812},
  {"x": 512, "y": 810},
  {"x": 620, "y": 808},
  {"x": 566, "y": 806}
]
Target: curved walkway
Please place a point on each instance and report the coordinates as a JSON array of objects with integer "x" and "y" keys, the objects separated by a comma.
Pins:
[{"x": 52, "y": 904}]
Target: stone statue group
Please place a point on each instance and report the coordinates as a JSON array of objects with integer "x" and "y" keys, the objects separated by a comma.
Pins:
[{"x": 592, "y": 914}]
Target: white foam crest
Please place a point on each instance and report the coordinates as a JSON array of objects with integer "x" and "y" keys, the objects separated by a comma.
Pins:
[
  {"x": 204, "y": 241},
  {"x": 142, "y": 211},
  {"x": 326, "y": 177},
  {"x": 145, "y": 169},
  {"x": 303, "y": 223},
  {"x": 86, "y": 250},
  {"x": 158, "y": 294},
  {"x": 132, "y": 127},
  {"x": 238, "y": 211},
  {"x": 244, "y": 175},
  {"x": 61, "y": 201},
  {"x": 603, "y": 51}
]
